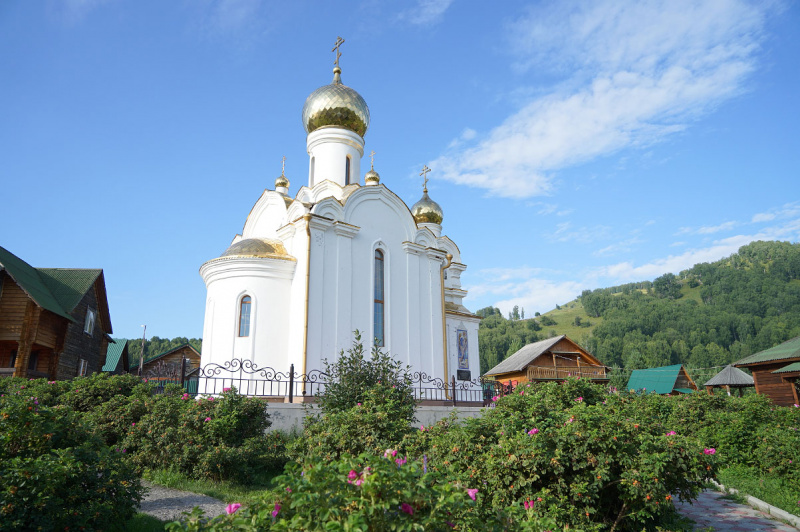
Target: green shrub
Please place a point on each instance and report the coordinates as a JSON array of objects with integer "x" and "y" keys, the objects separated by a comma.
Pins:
[
  {"x": 212, "y": 437},
  {"x": 357, "y": 493},
  {"x": 54, "y": 473},
  {"x": 87, "y": 393},
  {"x": 352, "y": 375},
  {"x": 368, "y": 427},
  {"x": 583, "y": 461}
]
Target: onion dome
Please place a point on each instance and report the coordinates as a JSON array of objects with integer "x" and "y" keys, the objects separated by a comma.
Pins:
[
  {"x": 336, "y": 105},
  {"x": 372, "y": 177},
  {"x": 282, "y": 182},
  {"x": 427, "y": 211},
  {"x": 265, "y": 248}
]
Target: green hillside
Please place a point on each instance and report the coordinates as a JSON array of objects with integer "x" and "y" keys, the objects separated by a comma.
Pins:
[{"x": 706, "y": 316}]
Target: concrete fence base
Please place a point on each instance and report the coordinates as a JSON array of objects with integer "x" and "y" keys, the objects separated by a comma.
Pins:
[{"x": 289, "y": 416}]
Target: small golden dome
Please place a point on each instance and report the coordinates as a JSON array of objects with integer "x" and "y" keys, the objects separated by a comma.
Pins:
[
  {"x": 372, "y": 176},
  {"x": 427, "y": 211},
  {"x": 258, "y": 247},
  {"x": 336, "y": 105},
  {"x": 282, "y": 181}
]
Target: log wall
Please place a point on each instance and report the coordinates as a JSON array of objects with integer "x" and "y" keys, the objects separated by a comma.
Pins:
[{"x": 772, "y": 385}]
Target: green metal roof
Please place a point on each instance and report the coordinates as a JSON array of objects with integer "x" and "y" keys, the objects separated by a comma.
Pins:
[
  {"x": 114, "y": 353},
  {"x": 69, "y": 285},
  {"x": 684, "y": 390},
  {"x": 658, "y": 380},
  {"x": 29, "y": 280},
  {"x": 787, "y": 350},
  {"x": 789, "y": 369}
]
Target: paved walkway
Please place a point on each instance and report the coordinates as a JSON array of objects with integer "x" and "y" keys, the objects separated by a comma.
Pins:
[
  {"x": 167, "y": 504},
  {"x": 710, "y": 510}
]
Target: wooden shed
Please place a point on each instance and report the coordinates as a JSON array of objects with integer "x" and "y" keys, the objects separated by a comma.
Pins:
[
  {"x": 769, "y": 368},
  {"x": 553, "y": 359},
  {"x": 667, "y": 380},
  {"x": 54, "y": 322},
  {"x": 166, "y": 365}
]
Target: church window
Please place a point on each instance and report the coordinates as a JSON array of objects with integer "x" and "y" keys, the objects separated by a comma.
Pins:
[
  {"x": 313, "y": 160},
  {"x": 379, "y": 298},
  {"x": 347, "y": 170},
  {"x": 244, "y": 316}
]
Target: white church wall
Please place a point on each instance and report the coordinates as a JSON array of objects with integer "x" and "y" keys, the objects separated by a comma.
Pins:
[
  {"x": 267, "y": 215},
  {"x": 329, "y": 147}
]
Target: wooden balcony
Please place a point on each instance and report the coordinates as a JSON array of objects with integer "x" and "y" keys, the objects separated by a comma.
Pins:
[{"x": 542, "y": 373}]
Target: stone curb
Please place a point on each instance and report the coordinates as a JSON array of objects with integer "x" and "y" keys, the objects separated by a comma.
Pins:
[{"x": 758, "y": 504}]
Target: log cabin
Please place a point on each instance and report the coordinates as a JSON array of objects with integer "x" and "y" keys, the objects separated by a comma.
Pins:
[
  {"x": 769, "y": 369},
  {"x": 54, "y": 322},
  {"x": 166, "y": 365},
  {"x": 554, "y": 359}
]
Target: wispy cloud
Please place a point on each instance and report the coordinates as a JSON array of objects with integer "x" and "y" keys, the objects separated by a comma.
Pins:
[
  {"x": 623, "y": 246},
  {"x": 567, "y": 232},
  {"x": 634, "y": 74},
  {"x": 786, "y": 211},
  {"x": 708, "y": 229},
  {"x": 426, "y": 12}
]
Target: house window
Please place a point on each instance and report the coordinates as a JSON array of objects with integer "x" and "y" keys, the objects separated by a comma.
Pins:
[
  {"x": 88, "y": 326},
  {"x": 379, "y": 299},
  {"x": 33, "y": 361},
  {"x": 347, "y": 170},
  {"x": 82, "y": 367},
  {"x": 244, "y": 316}
]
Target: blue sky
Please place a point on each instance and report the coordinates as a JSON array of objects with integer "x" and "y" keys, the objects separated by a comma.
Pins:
[{"x": 573, "y": 145}]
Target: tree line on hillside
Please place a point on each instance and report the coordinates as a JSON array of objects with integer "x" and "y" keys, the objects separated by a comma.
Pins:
[
  {"x": 742, "y": 304},
  {"x": 156, "y": 346}
]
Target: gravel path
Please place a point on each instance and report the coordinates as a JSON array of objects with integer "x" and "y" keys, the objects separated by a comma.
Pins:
[
  {"x": 723, "y": 515},
  {"x": 168, "y": 504}
]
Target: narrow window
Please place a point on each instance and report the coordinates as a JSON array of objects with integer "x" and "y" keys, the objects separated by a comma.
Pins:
[
  {"x": 82, "y": 367},
  {"x": 244, "y": 316},
  {"x": 347, "y": 170},
  {"x": 311, "y": 172},
  {"x": 88, "y": 326},
  {"x": 379, "y": 298},
  {"x": 33, "y": 361}
]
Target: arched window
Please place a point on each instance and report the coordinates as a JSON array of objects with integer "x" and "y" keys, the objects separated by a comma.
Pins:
[
  {"x": 379, "y": 298},
  {"x": 347, "y": 170},
  {"x": 311, "y": 171},
  {"x": 244, "y": 316}
]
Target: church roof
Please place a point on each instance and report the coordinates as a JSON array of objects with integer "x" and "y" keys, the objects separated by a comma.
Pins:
[
  {"x": 336, "y": 105},
  {"x": 258, "y": 247}
]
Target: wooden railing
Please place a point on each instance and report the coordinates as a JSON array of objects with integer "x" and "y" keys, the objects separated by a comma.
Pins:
[{"x": 558, "y": 373}]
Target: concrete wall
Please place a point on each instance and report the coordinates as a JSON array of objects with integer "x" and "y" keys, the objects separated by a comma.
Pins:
[{"x": 289, "y": 416}]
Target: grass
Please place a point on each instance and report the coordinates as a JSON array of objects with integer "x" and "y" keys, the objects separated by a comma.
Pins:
[
  {"x": 565, "y": 315},
  {"x": 144, "y": 523},
  {"x": 227, "y": 491},
  {"x": 771, "y": 489}
]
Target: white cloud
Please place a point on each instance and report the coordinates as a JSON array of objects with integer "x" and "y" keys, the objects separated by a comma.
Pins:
[
  {"x": 623, "y": 246},
  {"x": 708, "y": 229},
  {"x": 786, "y": 211},
  {"x": 525, "y": 287},
  {"x": 426, "y": 12},
  {"x": 637, "y": 72},
  {"x": 566, "y": 232}
]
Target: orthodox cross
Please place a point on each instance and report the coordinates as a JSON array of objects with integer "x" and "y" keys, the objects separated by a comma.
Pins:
[
  {"x": 339, "y": 42},
  {"x": 424, "y": 173},
  {"x": 372, "y": 159},
  {"x": 283, "y": 165}
]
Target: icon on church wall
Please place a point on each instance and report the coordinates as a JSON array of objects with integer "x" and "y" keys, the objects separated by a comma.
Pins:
[{"x": 463, "y": 349}]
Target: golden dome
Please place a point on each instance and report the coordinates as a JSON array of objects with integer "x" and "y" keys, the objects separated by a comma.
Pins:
[
  {"x": 427, "y": 211},
  {"x": 372, "y": 176},
  {"x": 336, "y": 105},
  {"x": 282, "y": 181},
  {"x": 258, "y": 247}
]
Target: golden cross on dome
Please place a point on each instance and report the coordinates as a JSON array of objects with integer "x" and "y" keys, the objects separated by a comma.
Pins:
[
  {"x": 424, "y": 173},
  {"x": 283, "y": 165},
  {"x": 339, "y": 42},
  {"x": 372, "y": 159}
]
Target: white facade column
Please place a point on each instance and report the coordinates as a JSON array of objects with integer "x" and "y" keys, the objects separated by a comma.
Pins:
[
  {"x": 435, "y": 365},
  {"x": 344, "y": 285},
  {"x": 414, "y": 307},
  {"x": 319, "y": 319},
  {"x": 329, "y": 149}
]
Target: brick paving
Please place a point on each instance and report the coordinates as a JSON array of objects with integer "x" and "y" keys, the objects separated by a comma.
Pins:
[{"x": 710, "y": 510}]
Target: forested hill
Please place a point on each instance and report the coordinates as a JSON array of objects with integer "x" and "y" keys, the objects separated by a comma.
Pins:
[
  {"x": 709, "y": 315},
  {"x": 155, "y": 346}
]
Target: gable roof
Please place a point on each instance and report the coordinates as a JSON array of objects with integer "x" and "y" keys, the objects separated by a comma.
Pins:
[
  {"x": 791, "y": 368},
  {"x": 519, "y": 360},
  {"x": 731, "y": 376},
  {"x": 659, "y": 380},
  {"x": 788, "y": 350},
  {"x": 116, "y": 348},
  {"x": 135, "y": 363},
  {"x": 28, "y": 279},
  {"x": 69, "y": 285}
]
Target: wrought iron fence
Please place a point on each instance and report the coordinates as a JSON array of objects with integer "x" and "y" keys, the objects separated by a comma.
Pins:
[{"x": 267, "y": 382}]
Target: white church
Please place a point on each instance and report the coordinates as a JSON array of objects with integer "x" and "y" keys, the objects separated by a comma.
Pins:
[{"x": 344, "y": 254}]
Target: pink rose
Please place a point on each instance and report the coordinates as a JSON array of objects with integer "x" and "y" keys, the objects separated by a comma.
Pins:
[{"x": 232, "y": 507}]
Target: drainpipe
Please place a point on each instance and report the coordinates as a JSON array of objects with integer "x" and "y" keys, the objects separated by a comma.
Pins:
[
  {"x": 307, "y": 218},
  {"x": 449, "y": 258}
]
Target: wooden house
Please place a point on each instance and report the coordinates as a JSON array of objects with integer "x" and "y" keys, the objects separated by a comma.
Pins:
[
  {"x": 166, "y": 365},
  {"x": 667, "y": 380},
  {"x": 775, "y": 372},
  {"x": 553, "y": 359},
  {"x": 54, "y": 322},
  {"x": 117, "y": 358}
]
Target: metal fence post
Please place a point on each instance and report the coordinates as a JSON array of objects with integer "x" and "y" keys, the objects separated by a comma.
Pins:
[
  {"x": 291, "y": 383},
  {"x": 454, "y": 390}
]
